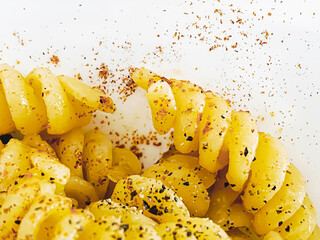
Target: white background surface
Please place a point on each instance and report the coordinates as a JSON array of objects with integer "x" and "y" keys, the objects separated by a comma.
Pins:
[{"x": 279, "y": 82}]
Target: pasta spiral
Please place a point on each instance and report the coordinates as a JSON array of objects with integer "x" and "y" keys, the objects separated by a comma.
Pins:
[
  {"x": 44, "y": 101},
  {"x": 36, "y": 204},
  {"x": 222, "y": 179},
  {"x": 256, "y": 185}
]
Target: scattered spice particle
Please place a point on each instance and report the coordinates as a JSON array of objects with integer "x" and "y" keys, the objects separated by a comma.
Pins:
[{"x": 54, "y": 60}]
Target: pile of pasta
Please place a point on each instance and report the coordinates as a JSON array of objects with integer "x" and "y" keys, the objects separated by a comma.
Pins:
[
  {"x": 45, "y": 101},
  {"x": 256, "y": 187},
  {"x": 222, "y": 179}
]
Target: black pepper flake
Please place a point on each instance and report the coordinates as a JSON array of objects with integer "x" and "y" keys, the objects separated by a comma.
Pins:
[
  {"x": 87, "y": 203},
  {"x": 287, "y": 228},
  {"x": 125, "y": 227},
  {"x": 246, "y": 151},
  {"x": 254, "y": 159},
  {"x": 280, "y": 223},
  {"x": 232, "y": 185},
  {"x": 154, "y": 210},
  {"x": 223, "y": 117},
  {"x": 189, "y": 138},
  {"x": 279, "y": 211},
  {"x": 162, "y": 189},
  {"x": 254, "y": 209},
  {"x": 145, "y": 205},
  {"x": 274, "y": 188},
  {"x": 52, "y": 179},
  {"x": 186, "y": 183},
  {"x": 179, "y": 225},
  {"x": 133, "y": 194},
  {"x": 17, "y": 222},
  {"x": 189, "y": 234},
  {"x": 226, "y": 184}
]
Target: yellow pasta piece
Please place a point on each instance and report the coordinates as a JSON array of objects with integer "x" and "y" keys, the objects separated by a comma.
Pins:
[
  {"x": 212, "y": 129},
  {"x": 190, "y": 101},
  {"x": 174, "y": 231},
  {"x": 185, "y": 183},
  {"x": 144, "y": 77},
  {"x": 192, "y": 164},
  {"x": 108, "y": 227},
  {"x": 222, "y": 196},
  {"x": 203, "y": 229},
  {"x": 50, "y": 168},
  {"x": 71, "y": 225},
  {"x": 223, "y": 210},
  {"x": 81, "y": 190},
  {"x": 6, "y": 122},
  {"x": 223, "y": 157},
  {"x": 232, "y": 217},
  {"x": 272, "y": 236},
  {"x": 18, "y": 200},
  {"x": 93, "y": 98},
  {"x": 69, "y": 148},
  {"x": 129, "y": 215},
  {"x": 97, "y": 157},
  {"x": 236, "y": 234},
  {"x": 315, "y": 234},
  {"x": 301, "y": 225},
  {"x": 243, "y": 142},
  {"x": 152, "y": 197},
  {"x": 284, "y": 203},
  {"x": 145, "y": 232},
  {"x": 46, "y": 228},
  {"x": 27, "y": 109},
  {"x": 83, "y": 113},
  {"x": 60, "y": 112},
  {"x": 14, "y": 161},
  {"x": 267, "y": 173},
  {"x": 124, "y": 164},
  {"x": 162, "y": 105},
  {"x": 37, "y": 142},
  {"x": 38, "y": 212}
]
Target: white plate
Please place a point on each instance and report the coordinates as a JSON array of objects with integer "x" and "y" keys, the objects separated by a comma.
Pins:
[{"x": 277, "y": 81}]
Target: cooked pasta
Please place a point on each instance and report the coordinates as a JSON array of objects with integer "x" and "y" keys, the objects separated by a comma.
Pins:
[
  {"x": 44, "y": 101},
  {"x": 222, "y": 179},
  {"x": 38, "y": 204},
  {"x": 257, "y": 187}
]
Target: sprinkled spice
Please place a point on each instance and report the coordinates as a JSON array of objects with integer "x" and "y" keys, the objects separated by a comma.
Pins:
[{"x": 54, "y": 59}]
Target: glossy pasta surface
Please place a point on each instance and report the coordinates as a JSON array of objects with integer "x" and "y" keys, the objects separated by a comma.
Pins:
[{"x": 222, "y": 178}]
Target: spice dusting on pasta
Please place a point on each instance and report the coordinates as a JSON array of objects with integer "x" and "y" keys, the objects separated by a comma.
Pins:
[{"x": 62, "y": 179}]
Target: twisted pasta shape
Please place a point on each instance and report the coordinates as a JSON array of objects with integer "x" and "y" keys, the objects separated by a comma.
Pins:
[
  {"x": 36, "y": 204},
  {"x": 44, "y": 101},
  {"x": 53, "y": 185},
  {"x": 256, "y": 186}
]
